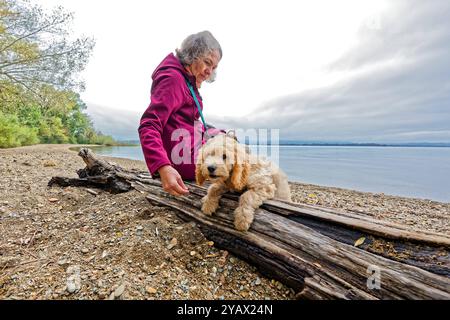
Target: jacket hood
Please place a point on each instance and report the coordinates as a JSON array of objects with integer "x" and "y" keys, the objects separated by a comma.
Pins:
[{"x": 172, "y": 62}]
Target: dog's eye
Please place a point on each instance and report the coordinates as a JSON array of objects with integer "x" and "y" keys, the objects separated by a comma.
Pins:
[{"x": 224, "y": 157}]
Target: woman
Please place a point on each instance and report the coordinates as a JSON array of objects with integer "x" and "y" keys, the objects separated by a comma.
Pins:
[{"x": 173, "y": 110}]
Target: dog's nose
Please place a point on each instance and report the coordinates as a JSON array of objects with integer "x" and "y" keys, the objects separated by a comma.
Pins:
[{"x": 211, "y": 168}]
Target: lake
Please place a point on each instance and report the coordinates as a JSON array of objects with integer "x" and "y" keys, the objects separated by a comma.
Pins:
[{"x": 419, "y": 172}]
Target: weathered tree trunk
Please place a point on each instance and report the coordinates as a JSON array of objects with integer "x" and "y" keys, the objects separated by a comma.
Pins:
[{"x": 310, "y": 249}]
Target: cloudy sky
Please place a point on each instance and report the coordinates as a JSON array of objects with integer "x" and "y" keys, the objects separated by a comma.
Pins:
[{"x": 362, "y": 71}]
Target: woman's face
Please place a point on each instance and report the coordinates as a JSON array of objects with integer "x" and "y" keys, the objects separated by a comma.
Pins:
[{"x": 202, "y": 68}]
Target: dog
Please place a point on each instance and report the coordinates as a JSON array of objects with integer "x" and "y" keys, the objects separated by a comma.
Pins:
[{"x": 229, "y": 166}]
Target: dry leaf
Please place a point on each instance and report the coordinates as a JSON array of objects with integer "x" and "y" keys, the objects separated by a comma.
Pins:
[
  {"x": 49, "y": 163},
  {"x": 360, "y": 241}
]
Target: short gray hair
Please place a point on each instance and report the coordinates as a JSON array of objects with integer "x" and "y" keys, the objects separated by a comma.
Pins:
[{"x": 196, "y": 46}]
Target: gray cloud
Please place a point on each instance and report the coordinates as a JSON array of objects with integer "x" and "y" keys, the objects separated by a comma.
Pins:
[
  {"x": 398, "y": 89},
  {"x": 120, "y": 124}
]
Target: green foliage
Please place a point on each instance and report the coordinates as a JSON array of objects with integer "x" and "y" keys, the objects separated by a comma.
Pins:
[
  {"x": 38, "y": 76},
  {"x": 52, "y": 131},
  {"x": 57, "y": 118},
  {"x": 103, "y": 140},
  {"x": 30, "y": 116},
  {"x": 13, "y": 134}
]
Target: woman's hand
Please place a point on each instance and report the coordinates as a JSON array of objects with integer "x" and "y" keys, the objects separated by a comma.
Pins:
[{"x": 172, "y": 182}]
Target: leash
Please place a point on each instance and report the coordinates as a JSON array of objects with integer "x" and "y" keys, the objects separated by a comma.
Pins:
[{"x": 191, "y": 88}]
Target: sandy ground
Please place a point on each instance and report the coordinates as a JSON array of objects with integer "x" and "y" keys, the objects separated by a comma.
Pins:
[{"x": 66, "y": 243}]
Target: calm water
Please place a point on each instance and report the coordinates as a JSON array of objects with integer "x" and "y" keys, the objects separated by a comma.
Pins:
[{"x": 411, "y": 172}]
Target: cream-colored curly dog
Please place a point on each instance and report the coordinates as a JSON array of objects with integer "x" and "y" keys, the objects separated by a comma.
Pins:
[{"x": 227, "y": 164}]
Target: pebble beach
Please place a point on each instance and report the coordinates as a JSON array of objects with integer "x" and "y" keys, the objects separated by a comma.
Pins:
[{"x": 79, "y": 243}]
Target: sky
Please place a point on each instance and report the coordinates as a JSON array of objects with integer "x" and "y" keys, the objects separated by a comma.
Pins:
[{"x": 360, "y": 71}]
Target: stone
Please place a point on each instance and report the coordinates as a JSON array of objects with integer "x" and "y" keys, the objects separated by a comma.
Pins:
[
  {"x": 119, "y": 291},
  {"x": 151, "y": 290},
  {"x": 62, "y": 262},
  {"x": 172, "y": 243},
  {"x": 71, "y": 287},
  {"x": 73, "y": 283}
]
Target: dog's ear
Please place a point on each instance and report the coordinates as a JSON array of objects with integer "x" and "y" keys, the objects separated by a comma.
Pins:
[
  {"x": 199, "y": 177},
  {"x": 239, "y": 176},
  {"x": 241, "y": 169}
]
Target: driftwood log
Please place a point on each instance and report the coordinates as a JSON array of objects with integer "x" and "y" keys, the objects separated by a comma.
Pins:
[{"x": 313, "y": 250}]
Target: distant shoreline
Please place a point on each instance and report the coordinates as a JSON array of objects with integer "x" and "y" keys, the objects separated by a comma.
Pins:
[
  {"x": 365, "y": 145},
  {"x": 335, "y": 144}
]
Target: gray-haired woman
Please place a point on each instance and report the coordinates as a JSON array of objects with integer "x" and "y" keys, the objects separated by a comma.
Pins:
[{"x": 173, "y": 109}]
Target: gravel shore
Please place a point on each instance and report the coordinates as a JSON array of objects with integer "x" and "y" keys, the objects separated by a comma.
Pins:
[{"x": 75, "y": 243}]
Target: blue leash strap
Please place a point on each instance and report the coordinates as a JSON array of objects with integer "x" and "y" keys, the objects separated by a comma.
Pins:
[{"x": 191, "y": 88}]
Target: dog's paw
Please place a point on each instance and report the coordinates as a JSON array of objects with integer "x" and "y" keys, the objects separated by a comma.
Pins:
[
  {"x": 209, "y": 206},
  {"x": 242, "y": 219}
]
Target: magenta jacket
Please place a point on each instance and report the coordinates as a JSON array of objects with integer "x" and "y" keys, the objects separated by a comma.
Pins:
[{"x": 171, "y": 107}]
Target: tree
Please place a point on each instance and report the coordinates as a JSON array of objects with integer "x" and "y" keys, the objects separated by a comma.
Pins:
[
  {"x": 39, "y": 83},
  {"x": 35, "y": 50},
  {"x": 14, "y": 134}
]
